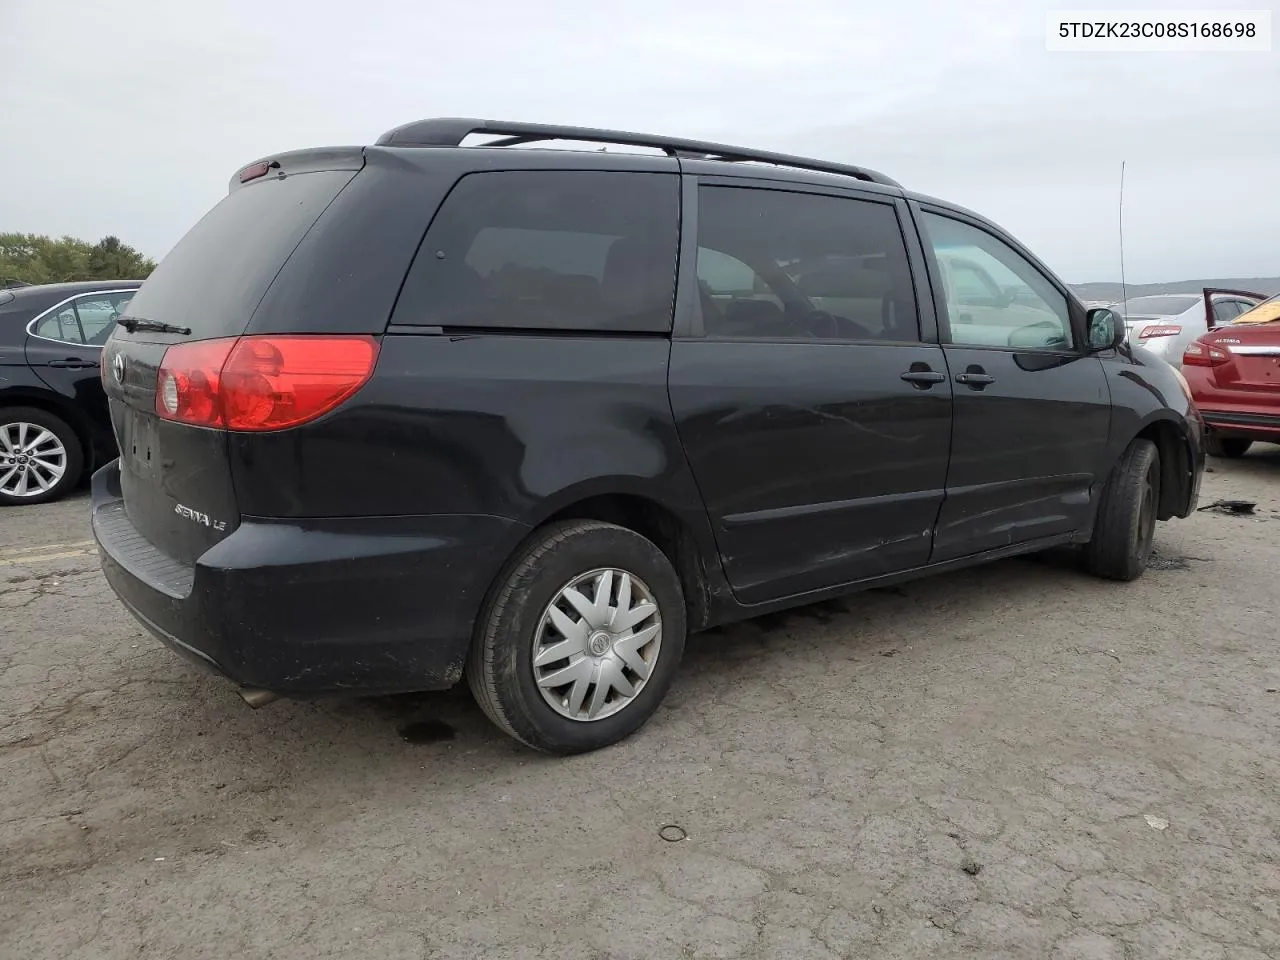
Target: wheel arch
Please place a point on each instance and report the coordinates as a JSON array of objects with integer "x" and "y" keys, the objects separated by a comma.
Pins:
[
  {"x": 1177, "y": 464},
  {"x": 683, "y": 535}
]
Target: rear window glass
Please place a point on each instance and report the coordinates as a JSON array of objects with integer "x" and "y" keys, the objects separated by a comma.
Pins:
[
  {"x": 1160, "y": 305},
  {"x": 549, "y": 250},
  {"x": 214, "y": 278}
]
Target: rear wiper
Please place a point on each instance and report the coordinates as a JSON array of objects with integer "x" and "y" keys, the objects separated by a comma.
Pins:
[{"x": 134, "y": 324}]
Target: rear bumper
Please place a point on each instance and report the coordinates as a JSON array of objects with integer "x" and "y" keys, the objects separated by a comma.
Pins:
[
  {"x": 1260, "y": 426},
  {"x": 311, "y": 607}
]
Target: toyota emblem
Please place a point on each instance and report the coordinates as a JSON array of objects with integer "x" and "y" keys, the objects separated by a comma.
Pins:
[{"x": 117, "y": 367}]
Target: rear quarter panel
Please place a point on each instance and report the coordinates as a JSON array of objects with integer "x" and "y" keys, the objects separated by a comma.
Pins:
[{"x": 504, "y": 425}]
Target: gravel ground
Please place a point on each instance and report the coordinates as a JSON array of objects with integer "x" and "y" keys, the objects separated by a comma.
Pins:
[{"x": 1014, "y": 761}]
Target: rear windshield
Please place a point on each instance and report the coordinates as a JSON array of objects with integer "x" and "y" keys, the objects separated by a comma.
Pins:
[
  {"x": 549, "y": 250},
  {"x": 216, "y": 275},
  {"x": 1160, "y": 306}
]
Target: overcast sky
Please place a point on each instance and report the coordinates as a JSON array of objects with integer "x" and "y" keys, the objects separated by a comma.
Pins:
[{"x": 127, "y": 117}]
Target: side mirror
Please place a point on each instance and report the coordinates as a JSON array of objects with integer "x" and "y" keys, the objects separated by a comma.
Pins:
[{"x": 1106, "y": 330}]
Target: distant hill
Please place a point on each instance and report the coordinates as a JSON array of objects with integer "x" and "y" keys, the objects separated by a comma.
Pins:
[{"x": 1112, "y": 291}]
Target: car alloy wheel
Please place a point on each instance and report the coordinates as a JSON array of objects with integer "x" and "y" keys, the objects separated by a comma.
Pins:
[
  {"x": 32, "y": 459},
  {"x": 597, "y": 644}
]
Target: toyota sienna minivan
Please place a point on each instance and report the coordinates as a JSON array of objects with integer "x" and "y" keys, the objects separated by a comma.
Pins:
[{"x": 399, "y": 415}]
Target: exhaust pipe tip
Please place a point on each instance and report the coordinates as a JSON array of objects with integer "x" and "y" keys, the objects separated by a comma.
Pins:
[{"x": 256, "y": 698}]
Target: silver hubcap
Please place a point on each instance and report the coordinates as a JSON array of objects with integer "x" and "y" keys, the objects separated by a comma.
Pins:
[
  {"x": 597, "y": 644},
  {"x": 32, "y": 459}
]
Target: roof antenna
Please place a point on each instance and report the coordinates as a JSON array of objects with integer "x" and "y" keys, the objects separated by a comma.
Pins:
[{"x": 1124, "y": 290}]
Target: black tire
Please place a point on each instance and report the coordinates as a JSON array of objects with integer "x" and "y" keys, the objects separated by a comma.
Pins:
[
  {"x": 1229, "y": 448},
  {"x": 500, "y": 668},
  {"x": 74, "y": 468},
  {"x": 1125, "y": 525}
]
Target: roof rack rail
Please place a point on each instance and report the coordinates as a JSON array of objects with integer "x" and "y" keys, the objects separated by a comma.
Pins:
[{"x": 451, "y": 131}]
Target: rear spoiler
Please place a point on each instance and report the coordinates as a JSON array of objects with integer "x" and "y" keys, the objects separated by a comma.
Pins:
[
  {"x": 297, "y": 161},
  {"x": 1208, "y": 300}
]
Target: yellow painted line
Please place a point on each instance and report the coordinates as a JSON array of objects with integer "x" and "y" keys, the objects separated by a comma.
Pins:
[{"x": 43, "y": 557}]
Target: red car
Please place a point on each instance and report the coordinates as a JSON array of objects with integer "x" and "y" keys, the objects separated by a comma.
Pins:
[{"x": 1234, "y": 375}]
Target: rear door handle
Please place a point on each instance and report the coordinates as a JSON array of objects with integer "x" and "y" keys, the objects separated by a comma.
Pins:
[
  {"x": 923, "y": 376},
  {"x": 71, "y": 364},
  {"x": 976, "y": 380}
]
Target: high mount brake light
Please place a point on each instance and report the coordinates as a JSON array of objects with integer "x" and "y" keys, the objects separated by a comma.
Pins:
[
  {"x": 1164, "y": 330},
  {"x": 257, "y": 383},
  {"x": 256, "y": 170},
  {"x": 1200, "y": 354}
]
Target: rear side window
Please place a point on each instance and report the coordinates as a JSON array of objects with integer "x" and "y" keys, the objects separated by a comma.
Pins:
[
  {"x": 86, "y": 320},
  {"x": 60, "y": 325},
  {"x": 214, "y": 278},
  {"x": 773, "y": 264},
  {"x": 549, "y": 250}
]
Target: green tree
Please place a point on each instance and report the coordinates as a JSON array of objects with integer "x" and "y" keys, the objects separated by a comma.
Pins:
[
  {"x": 33, "y": 258},
  {"x": 109, "y": 259}
]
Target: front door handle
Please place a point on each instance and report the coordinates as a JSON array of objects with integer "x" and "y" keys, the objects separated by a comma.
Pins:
[
  {"x": 975, "y": 378},
  {"x": 72, "y": 364},
  {"x": 923, "y": 378}
]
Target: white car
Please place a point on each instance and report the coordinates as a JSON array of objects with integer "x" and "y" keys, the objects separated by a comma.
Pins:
[{"x": 1166, "y": 323}]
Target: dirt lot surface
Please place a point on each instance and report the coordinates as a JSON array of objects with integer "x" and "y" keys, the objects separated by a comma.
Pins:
[{"x": 1016, "y": 761}]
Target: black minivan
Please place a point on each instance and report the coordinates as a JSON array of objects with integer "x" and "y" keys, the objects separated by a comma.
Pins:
[{"x": 393, "y": 415}]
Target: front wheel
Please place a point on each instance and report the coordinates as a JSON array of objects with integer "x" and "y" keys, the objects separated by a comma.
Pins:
[
  {"x": 1230, "y": 448},
  {"x": 40, "y": 456},
  {"x": 580, "y": 640},
  {"x": 1126, "y": 523}
]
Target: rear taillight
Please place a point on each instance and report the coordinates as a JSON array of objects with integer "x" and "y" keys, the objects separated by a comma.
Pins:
[
  {"x": 1159, "y": 331},
  {"x": 261, "y": 383},
  {"x": 1204, "y": 355}
]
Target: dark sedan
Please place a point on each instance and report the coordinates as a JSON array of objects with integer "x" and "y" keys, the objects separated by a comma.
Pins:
[{"x": 54, "y": 424}]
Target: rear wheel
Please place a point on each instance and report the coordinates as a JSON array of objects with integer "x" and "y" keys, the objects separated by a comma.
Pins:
[
  {"x": 1125, "y": 527},
  {"x": 40, "y": 456},
  {"x": 1231, "y": 448},
  {"x": 581, "y": 638}
]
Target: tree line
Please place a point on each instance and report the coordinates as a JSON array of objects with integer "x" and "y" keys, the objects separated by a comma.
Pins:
[{"x": 32, "y": 258}]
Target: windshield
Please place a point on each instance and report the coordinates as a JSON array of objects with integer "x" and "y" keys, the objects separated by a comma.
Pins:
[{"x": 1159, "y": 306}]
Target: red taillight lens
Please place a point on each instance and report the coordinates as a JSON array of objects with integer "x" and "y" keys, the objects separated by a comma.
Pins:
[
  {"x": 1162, "y": 331},
  {"x": 261, "y": 383},
  {"x": 1204, "y": 355}
]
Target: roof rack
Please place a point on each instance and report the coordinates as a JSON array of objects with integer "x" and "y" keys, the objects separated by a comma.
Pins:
[{"x": 451, "y": 131}]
